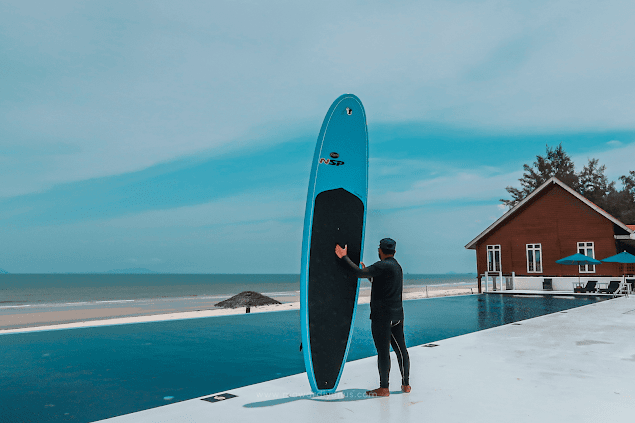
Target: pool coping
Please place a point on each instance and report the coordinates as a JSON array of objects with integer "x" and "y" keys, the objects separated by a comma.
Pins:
[{"x": 528, "y": 292}]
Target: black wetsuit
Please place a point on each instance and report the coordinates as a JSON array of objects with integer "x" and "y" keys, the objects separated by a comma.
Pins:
[{"x": 386, "y": 313}]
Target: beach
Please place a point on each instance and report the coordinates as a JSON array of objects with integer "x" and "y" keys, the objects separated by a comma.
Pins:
[{"x": 19, "y": 319}]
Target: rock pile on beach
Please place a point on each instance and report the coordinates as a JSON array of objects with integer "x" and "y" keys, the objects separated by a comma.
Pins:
[{"x": 247, "y": 299}]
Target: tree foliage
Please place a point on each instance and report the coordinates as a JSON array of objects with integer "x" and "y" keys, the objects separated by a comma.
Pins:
[{"x": 591, "y": 182}]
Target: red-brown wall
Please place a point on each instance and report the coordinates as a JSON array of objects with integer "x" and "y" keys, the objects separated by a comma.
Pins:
[{"x": 557, "y": 220}]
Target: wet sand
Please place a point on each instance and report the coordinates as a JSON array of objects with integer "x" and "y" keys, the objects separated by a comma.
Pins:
[{"x": 66, "y": 316}]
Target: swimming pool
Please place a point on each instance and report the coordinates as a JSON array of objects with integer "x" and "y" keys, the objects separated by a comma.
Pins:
[{"x": 95, "y": 373}]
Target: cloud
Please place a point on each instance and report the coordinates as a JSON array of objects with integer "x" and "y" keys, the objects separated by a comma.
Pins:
[
  {"x": 614, "y": 143},
  {"x": 475, "y": 185},
  {"x": 249, "y": 207},
  {"x": 98, "y": 90}
]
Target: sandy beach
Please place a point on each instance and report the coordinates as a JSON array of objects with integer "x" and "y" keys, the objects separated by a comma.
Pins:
[{"x": 66, "y": 316}]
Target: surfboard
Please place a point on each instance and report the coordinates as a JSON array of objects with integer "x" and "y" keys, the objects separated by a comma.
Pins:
[{"x": 335, "y": 213}]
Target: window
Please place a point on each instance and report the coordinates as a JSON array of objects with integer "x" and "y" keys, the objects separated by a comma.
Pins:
[
  {"x": 588, "y": 250},
  {"x": 534, "y": 258},
  {"x": 493, "y": 258}
]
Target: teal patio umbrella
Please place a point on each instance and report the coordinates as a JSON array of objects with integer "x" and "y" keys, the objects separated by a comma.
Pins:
[
  {"x": 578, "y": 260},
  {"x": 622, "y": 258}
]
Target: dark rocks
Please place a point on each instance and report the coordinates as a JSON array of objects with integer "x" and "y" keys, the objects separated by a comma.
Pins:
[{"x": 247, "y": 299}]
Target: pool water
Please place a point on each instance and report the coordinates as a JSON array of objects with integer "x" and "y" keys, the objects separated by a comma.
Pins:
[{"x": 89, "y": 374}]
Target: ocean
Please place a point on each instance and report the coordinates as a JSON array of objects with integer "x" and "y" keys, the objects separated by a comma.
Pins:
[{"x": 41, "y": 289}]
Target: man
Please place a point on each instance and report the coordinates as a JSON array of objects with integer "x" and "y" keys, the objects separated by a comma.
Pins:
[{"x": 386, "y": 312}]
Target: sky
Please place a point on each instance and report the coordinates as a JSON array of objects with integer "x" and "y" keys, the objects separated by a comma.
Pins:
[{"x": 178, "y": 136}]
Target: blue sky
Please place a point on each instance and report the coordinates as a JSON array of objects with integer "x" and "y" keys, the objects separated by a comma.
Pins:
[{"x": 179, "y": 136}]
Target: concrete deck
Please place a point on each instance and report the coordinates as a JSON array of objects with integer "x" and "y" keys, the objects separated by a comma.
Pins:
[
  {"x": 552, "y": 293},
  {"x": 572, "y": 366}
]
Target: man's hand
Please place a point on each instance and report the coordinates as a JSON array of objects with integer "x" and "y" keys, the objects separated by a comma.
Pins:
[
  {"x": 363, "y": 265},
  {"x": 341, "y": 252}
]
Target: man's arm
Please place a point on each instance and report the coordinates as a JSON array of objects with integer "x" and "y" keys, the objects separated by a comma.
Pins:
[{"x": 364, "y": 272}]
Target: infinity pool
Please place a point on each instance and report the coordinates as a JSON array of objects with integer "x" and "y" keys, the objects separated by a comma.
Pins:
[{"x": 89, "y": 374}]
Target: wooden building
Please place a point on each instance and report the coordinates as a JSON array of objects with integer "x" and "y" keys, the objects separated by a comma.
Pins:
[{"x": 521, "y": 248}]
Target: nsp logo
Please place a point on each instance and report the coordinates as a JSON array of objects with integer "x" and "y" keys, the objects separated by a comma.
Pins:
[{"x": 331, "y": 162}]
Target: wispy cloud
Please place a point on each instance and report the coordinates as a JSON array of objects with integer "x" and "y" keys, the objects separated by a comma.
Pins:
[
  {"x": 250, "y": 207},
  {"x": 473, "y": 186},
  {"x": 120, "y": 89}
]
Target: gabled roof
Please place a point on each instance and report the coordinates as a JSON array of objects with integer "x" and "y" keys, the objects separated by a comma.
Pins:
[{"x": 629, "y": 229}]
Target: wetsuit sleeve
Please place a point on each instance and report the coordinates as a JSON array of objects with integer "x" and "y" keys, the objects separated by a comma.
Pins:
[{"x": 367, "y": 272}]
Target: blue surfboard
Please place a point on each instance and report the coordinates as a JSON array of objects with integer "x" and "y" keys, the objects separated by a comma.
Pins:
[{"x": 335, "y": 213}]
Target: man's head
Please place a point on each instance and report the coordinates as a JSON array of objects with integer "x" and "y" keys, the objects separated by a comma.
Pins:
[{"x": 387, "y": 248}]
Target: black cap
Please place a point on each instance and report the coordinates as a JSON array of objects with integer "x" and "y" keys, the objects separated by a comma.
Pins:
[{"x": 388, "y": 244}]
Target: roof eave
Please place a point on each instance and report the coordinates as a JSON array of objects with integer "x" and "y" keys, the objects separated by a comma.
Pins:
[
  {"x": 553, "y": 180},
  {"x": 472, "y": 244}
]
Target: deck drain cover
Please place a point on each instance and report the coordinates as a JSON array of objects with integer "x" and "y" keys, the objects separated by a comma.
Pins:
[
  {"x": 219, "y": 397},
  {"x": 430, "y": 345}
]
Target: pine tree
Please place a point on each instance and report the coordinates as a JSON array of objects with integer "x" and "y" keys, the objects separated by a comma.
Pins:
[
  {"x": 556, "y": 163},
  {"x": 594, "y": 185},
  {"x": 591, "y": 182},
  {"x": 622, "y": 203}
]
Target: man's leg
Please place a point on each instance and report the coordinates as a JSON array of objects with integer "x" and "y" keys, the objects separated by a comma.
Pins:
[
  {"x": 398, "y": 343},
  {"x": 381, "y": 335}
]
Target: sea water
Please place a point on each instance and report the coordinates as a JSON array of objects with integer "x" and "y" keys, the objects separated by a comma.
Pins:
[
  {"x": 89, "y": 374},
  {"x": 39, "y": 289}
]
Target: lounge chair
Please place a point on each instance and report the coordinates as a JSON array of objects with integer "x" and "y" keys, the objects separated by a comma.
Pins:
[
  {"x": 613, "y": 286},
  {"x": 590, "y": 286}
]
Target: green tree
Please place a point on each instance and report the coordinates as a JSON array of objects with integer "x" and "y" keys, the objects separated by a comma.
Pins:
[
  {"x": 594, "y": 185},
  {"x": 555, "y": 163},
  {"x": 629, "y": 183},
  {"x": 621, "y": 204},
  {"x": 591, "y": 182}
]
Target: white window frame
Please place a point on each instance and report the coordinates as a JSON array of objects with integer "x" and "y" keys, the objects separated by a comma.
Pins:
[
  {"x": 585, "y": 248},
  {"x": 533, "y": 265},
  {"x": 493, "y": 259}
]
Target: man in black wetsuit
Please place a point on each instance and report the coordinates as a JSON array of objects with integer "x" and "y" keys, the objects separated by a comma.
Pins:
[{"x": 386, "y": 312}]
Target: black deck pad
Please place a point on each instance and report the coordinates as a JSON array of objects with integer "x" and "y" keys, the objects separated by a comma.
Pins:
[
  {"x": 338, "y": 217},
  {"x": 219, "y": 397}
]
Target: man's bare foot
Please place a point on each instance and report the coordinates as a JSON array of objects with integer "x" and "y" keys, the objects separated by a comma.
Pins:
[
  {"x": 379, "y": 392},
  {"x": 405, "y": 388}
]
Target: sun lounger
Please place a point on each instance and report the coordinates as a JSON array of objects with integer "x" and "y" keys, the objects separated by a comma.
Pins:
[
  {"x": 590, "y": 286},
  {"x": 613, "y": 286}
]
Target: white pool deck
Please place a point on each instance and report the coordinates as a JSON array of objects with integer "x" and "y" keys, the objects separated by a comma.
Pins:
[{"x": 572, "y": 366}]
